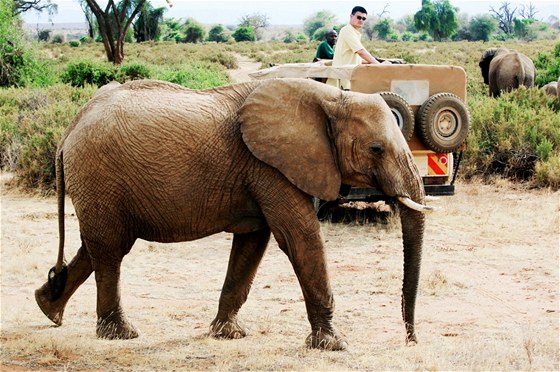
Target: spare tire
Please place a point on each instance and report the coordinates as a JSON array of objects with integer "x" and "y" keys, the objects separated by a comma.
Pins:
[
  {"x": 402, "y": 112},
  {"x": 443, "y": 122}
]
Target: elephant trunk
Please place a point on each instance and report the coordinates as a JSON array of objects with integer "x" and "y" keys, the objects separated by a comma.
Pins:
[
  {"x": 413, "y": 235},
  {"x": 412, "y": 223}
]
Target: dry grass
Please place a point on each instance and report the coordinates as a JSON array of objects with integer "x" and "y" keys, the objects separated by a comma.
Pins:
[{"x": 488, "y": 295}]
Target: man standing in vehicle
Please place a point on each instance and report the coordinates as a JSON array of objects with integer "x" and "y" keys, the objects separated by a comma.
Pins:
[{"x": 349, "y": 49}]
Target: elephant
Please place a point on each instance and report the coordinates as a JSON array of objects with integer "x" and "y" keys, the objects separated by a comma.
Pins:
[
  {"x": 156, "y": 161},
  {"x": 551, "y": 89},
  {"x": 505, "y": 69}
]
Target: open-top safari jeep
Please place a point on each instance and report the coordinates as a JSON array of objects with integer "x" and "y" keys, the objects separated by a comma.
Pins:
[{"x": 429, "y": 104}]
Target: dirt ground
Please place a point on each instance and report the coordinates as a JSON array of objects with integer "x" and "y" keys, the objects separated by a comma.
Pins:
[{"x": 488, "y": 297}]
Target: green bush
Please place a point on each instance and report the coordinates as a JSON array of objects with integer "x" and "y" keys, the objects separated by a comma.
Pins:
[
  {"x": 20, "y": 64},
  {"x": 74, "y": 43},
  {"x": 548, "y": 66},
  {"x": 32, "y": 122},
  {"x": 244, "y": 34},
  {"x": 81, "y": 73},
  {"x": 516, "y": 136},
  {"x": 135, "y": 71},
  {"x": 58, "y": 39}
]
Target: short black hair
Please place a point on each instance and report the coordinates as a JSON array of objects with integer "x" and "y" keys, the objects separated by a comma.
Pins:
[{"x": 360, "y": 9}]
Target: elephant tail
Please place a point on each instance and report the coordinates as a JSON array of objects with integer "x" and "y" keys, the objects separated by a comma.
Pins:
[{"x": 59, "y": 273}]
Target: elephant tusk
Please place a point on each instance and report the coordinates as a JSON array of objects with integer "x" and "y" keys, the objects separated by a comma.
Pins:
[{"x": 413, "y": 205}]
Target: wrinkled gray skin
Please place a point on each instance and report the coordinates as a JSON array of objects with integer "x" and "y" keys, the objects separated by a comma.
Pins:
[
  {"x": 151, "y": 160},
  {"x": 505, "y": 69}
]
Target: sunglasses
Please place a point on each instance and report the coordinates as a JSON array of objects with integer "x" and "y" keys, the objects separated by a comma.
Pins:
[{"x": 360, "y": 18}]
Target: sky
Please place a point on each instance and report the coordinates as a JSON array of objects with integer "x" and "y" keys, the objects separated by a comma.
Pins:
[{"x": 290, "y": 12}]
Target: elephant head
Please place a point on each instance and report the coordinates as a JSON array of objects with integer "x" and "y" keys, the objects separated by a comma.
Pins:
[
  {"x": 505, "y": 69},
  {"x": 319, "y": 136}
]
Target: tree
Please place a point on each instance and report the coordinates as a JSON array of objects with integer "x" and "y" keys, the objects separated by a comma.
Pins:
[
  {"x": 244, "y": 34},
  {"x": 147, "y": 25},
  {"x": 323, "y": 19},
  {"x": 219, "y": 34},
  {"x": 256, "y": 21},
  {"x": 505, "y": 16},
  {"x": 439, "y": 19},
  {"x": 90, "y": 18},
  {"x": 528, "y": 12},
  {"x": 113, "y": 23},
  {"x": 194, "y": 32},
  {"x": 384, "y": 29},
  {"x": 482, "y": 27}
]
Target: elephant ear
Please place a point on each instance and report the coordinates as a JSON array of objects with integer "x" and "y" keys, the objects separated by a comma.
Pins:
[{"x": 284, "y": 123}]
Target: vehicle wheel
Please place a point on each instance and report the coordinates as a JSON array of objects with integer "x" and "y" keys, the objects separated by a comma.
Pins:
[
  {"x": 402, "y": 112},
  {"x": 443, "y": 122}
]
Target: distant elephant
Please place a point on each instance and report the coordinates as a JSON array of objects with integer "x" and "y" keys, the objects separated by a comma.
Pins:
[
  {"x": 155, "y": 161},
  {"x": 505, "y": 69},
  {"x": 551, "y": 89}
]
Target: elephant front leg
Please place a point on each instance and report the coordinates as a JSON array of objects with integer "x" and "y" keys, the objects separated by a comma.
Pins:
[
  {"x": 306, "y": 253},
  {"x": 111, "y": 321},
  {"x": 246, "y": 255}
]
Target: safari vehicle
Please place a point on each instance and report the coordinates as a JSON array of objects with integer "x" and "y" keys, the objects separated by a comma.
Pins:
[{"x": 429, "y": 105}]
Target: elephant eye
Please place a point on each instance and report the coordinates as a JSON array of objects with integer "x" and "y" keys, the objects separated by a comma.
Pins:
[{"x": 377, "y": 149}]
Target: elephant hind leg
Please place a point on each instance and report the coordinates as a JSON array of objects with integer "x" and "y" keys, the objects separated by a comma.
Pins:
[
  {"x": 112, "y": 323},
  {"x": 246, "y": 254},
  {"x": 55, "y": 293}
]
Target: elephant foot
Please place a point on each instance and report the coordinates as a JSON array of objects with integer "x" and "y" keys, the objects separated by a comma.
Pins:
[
  {"x": 411, "y": 340},
  {"x": 229, "y": 328},
  {"x": 115, "y": 327},
  {"x": 326, "y": 341},
  {"x": 52, "y": 309}
]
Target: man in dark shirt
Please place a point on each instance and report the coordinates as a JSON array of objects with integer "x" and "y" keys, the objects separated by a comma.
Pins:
[{"x": 325, "y": 50}]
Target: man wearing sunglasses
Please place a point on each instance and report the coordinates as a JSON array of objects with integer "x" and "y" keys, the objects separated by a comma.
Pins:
[{"x": 349, "y": 49}]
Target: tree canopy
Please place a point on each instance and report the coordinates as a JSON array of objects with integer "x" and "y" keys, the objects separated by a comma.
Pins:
[{"x": 439, "y": 19}]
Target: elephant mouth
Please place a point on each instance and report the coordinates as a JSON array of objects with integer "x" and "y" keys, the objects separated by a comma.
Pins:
[{"x": 405, "y": 200}]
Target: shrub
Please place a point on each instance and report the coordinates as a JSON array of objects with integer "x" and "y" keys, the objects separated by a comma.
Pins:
[
  {"x": 135, "y": 71},
  {"x": 516, "y": 136},
  {"x": 58, "y": 39},
  {"x": 74, "y": 43},
  {"x": 20, "y": 64},
  {"x": 548, "y": 66},
  {"x": 81, "y": 73},
  {"x": 219, "y": 34},
  {"x": 244, "y": 34},
  {"x": 31, "y": 124}
]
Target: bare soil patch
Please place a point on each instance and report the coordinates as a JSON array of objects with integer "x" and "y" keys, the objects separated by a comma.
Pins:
[{"x": 488, "y": 295}]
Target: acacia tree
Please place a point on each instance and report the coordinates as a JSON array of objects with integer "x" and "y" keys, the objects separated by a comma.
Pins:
[
  {"x": 439, "y": 19},
  {"x": 113, "y": 22},
  {"x": 257, "y": 21},
  {"x": 118, "y": 15}
]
